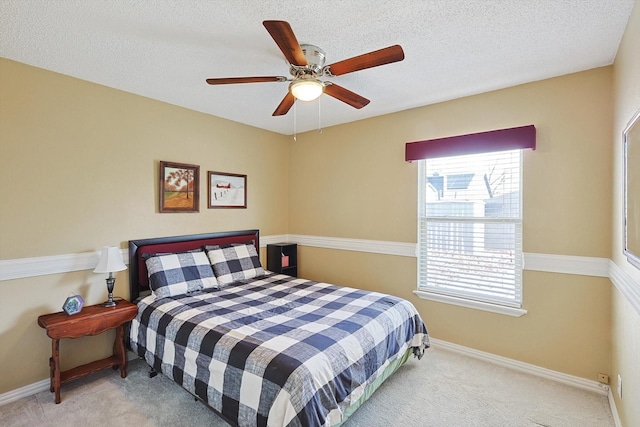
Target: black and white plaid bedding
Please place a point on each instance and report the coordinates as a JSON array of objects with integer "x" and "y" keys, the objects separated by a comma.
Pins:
[
  {"x": 179, "y": 273},
  {"x": 234, "y": 262},
  {"x": 276, "y": 350}
]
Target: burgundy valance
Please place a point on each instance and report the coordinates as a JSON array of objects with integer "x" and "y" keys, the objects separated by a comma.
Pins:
[{"x": 474, "y": 143}]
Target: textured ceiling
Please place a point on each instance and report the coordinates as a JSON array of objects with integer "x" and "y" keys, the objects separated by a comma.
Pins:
[{"x": 166, "y": 49}]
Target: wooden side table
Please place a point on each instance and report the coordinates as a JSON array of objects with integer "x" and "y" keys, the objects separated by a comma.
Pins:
[{"x": 92, "y": 320}]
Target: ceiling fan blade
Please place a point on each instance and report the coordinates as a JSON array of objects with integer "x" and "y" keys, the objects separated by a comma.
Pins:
[
  {"x": 234, "y": 80},
  {"x": 345, "y": 95},
  {"x": 285, "y": 105},
  {"x": 368, "y": 60},
  {"x": 282, "y": 34}
]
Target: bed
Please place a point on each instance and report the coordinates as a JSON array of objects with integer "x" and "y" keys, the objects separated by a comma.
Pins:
[{"x": 259, "y": 348}]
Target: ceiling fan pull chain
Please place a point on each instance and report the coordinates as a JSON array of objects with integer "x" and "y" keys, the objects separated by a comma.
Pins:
[
  {"x": 319, "y": 115},
  {"x": 295, "y": 117}
]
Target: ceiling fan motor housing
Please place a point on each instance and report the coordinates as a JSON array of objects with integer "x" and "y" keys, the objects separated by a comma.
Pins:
[{"x": 315, "y": 61}]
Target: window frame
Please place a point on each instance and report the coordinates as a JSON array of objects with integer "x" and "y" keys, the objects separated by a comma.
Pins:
[{"x": 460, "y": 298}]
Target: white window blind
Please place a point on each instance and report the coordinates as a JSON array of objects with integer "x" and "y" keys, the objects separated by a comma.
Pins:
[{"x": 470, "y": 227}]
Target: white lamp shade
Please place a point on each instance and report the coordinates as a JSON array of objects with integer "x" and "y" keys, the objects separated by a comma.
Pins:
[
  {"x": 306, "y": 90},
  {"x": 110, "y": 261}
]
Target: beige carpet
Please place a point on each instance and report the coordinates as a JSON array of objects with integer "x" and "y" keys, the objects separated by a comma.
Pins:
[{"x": 442, "y": 389}]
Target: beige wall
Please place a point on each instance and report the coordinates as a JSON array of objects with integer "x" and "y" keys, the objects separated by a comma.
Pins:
[
  {"x": 352, "y": 181},
  {"x": 79, "y": 170},
  {"x": 625, "y": 320}
]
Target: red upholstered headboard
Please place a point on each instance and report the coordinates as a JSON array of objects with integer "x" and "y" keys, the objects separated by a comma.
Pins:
[{"x": 138, "y": 276}]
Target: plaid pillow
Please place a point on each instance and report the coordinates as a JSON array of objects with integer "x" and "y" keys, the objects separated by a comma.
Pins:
[
  {"x": 233, "y": 262},
  {"x": 179, "y": 273}
]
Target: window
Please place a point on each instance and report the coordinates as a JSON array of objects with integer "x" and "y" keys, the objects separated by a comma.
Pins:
[
  {"x": 470, "y": 227},
  {"x": 470, "y": 218}
]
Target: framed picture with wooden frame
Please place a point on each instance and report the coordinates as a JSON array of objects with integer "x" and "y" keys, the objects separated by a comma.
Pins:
[
  {"x": 179, "y": 187},
  {"x": 226, "y": 190}
]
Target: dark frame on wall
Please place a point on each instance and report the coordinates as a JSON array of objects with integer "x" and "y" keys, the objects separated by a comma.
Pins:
[
  {"x": 179, "y": 187},
  {"x": 631, "y": 150},
  {"x": 226, "y": 190}
]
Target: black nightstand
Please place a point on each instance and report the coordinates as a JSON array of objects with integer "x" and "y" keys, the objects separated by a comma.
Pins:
[{"x": 283, "y": 258}]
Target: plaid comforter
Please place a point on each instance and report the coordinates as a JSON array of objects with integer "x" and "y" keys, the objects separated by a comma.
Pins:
[{"x": 277, "y": 351}]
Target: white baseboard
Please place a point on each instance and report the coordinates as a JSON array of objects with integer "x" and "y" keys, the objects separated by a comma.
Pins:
[
  {"x": 614, "y": 410},
  {"x": 528, "y": 368},
  {"x": 549, "y": 374},
  {"x": 37, "y": 387},
  {"x": 571, "y": 380},
  {"x": 26, "y": 391}
]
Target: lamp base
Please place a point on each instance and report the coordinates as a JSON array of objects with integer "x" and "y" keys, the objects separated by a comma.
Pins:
[{"x": 110, "y": 302}]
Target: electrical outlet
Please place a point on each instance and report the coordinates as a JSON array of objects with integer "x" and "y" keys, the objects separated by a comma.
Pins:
[
  {"x": 619, "y": 386},
  {"x": 603, "y": 378}
]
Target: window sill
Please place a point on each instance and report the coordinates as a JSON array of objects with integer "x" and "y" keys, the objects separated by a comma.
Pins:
[{"x": 493, "y": 308}]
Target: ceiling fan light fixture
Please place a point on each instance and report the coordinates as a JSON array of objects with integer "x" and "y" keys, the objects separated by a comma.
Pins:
[{"x": 306, "y": 89}]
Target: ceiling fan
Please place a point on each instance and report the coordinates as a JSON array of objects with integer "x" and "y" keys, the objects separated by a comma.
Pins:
[{"x": 306, "y": 66}]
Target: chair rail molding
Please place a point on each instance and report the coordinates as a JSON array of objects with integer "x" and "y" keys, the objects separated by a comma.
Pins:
[
  {"x": 565, "y": 264},
  {"x": 626, "y": 285},
  {"x": 55, "y": 264}
]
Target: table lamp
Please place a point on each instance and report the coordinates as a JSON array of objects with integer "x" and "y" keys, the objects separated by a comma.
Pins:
[{"x": 110, "y": 262}]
